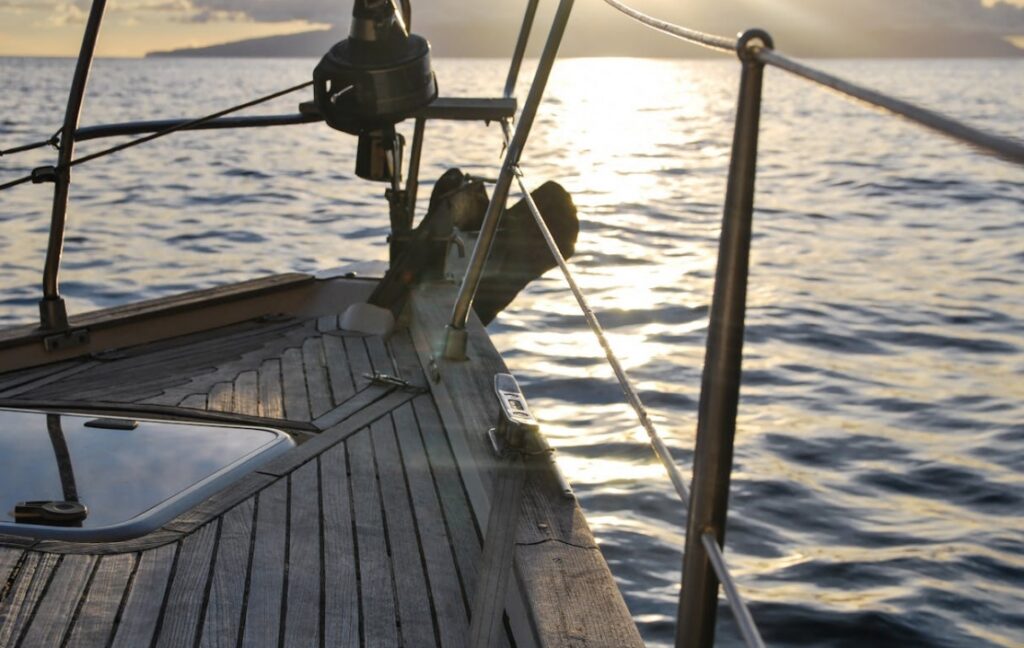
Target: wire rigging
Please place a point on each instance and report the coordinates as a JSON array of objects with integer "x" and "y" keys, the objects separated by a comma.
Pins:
[
  {"x": 1003, "y": 147},
  {"x": 37, "y": 177},
  {"x": 632, "y": 396},
  {"x": 53, "y": 141},
  {"x": 710, "y": 41},
  {"x": 189, "y": 124},
  {"x": 15, "y": 183}
]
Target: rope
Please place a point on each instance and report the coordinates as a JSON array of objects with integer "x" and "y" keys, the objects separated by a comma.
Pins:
[
  {"x": 166, "y": 131},
  {"x": 710, "y": 41},
  {"x": 660, "y": 449}
]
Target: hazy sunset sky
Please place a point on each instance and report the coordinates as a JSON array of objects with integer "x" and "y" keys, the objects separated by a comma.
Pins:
[{"x": 134, "y": 27}]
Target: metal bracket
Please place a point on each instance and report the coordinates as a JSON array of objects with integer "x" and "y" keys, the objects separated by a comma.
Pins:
[
  {"x": 515, "y": 422},
  {"x": 498, "y": 445},
  {"x": 517, "y": 431},
  {"x": 53, "y": 512},
  {"x": 105, "y": 423},
  {"x": 44, "y": 174},
  {"x": 378, "y": 378},
  {"x": 66, "y": 340},
  {"x": 433, "y": 371}
]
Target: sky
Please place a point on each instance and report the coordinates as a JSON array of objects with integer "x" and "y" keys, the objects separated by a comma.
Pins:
[{"x": 134, "y": 27}]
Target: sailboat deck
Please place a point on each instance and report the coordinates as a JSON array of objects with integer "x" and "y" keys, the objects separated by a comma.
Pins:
[{"x": 368, "y": 533}]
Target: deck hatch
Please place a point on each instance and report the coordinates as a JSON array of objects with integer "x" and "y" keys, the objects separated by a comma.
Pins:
[{"x": 131, "y": 475}]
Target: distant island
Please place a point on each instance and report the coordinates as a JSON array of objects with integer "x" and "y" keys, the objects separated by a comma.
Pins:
[{"x": 627, "y": 39}]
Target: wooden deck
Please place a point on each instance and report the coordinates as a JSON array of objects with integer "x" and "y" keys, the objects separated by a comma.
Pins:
[{"x": 368, "y": 533}]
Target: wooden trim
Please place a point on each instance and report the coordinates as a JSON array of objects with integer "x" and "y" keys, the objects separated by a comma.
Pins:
[
  {"x": 170, "y": 317},
  {"x": 161, "y": 306},
  {"x": 164, "y": 412},
  {"x": 567, "y": 590}
]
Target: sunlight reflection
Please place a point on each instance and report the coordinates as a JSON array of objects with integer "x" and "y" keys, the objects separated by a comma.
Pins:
[
  {"x": 670, "y": 536},
  {"x": 613, "y": 115},
  {"x": 608, "y": 472}
]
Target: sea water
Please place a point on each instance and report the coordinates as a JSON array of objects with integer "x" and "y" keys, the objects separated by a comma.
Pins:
[{"x": 877, "y": 496}]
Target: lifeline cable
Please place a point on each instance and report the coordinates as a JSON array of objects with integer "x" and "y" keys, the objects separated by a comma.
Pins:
[
  {"x": 166, "y": 131},
  {"x": 1003, "y": 147},
  {"x": 748, "y": 629},
  {"x": 632, "y": 396},
  {"x": 628, "y": 389},
  {"x": 710, "y": 41},
  {"x": 15, "y": 183},
  {"x": 53, "y": 141}
]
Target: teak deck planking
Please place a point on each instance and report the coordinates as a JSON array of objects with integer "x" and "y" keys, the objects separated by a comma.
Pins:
[{"x": 369, "y": 533}]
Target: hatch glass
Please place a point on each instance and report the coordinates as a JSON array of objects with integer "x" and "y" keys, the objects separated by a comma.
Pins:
[{"x": 130, "y": 475}]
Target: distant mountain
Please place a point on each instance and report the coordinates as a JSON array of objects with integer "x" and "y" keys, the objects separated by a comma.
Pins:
[
  {"x": 304, "y": 44},
  {"x": 821, "y": 28},
  {"x": 809, "y": 28},
  {"x": 627, "y": 39}
]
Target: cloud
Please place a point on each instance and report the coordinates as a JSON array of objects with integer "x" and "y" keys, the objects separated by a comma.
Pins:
[
  {"x": 57, "y": 13},
  {"x": 330, "y": 11},
  {"x": 66, "y": 13},
  {"x": 170, "y": 6},
  {"x": 206, "y": 15}
]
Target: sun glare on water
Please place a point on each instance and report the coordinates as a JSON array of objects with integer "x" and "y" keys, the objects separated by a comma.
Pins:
[
  {"x": 614, "y": 130},
  {"x": 613, "y": 116}
]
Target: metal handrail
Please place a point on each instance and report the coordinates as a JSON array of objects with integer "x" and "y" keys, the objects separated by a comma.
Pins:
[
  {"x": 720, "y": 384},
  {"x": 179, "y": 125},
  {"x": 520, "y": 51},
  {"x": 455, "y": 333},
  {"x": 53, "y": 314},
  {"x": 189, "y": 123}
]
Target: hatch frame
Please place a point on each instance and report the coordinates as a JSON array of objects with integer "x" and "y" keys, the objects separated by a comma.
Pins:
[{"x": 166, "y": 510}]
